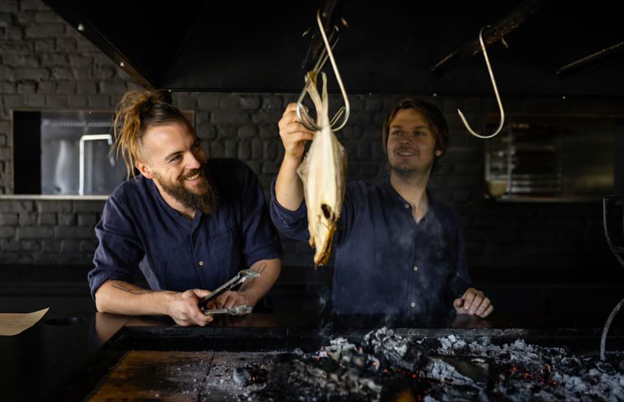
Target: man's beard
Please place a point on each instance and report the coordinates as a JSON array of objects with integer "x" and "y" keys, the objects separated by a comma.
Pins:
[{"x": 206, "y": 201}]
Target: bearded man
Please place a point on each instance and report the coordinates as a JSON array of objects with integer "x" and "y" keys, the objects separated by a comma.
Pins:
[{"x": 187, "y": 222}]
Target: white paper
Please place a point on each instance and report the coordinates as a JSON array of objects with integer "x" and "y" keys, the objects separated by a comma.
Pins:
[{"x": 15, "y": 323}]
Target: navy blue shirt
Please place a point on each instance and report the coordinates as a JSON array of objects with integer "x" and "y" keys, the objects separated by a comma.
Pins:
[
  {"x": 386, "y": 263},
  {"x": 139, "y": 230}
]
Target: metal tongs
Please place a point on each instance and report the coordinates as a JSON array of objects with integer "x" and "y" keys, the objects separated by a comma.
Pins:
[
  {"x": 326, "y": 53},
  {"x": 241, "y": 277}
]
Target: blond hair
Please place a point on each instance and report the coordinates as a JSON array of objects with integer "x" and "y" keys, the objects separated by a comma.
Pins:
[{"x": 138, "y": 111}]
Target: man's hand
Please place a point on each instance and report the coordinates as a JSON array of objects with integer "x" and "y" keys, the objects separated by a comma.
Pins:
[
  {"x": 473, "y": 302},
  {"x": 294, "y": 134},
  {"x": 231, "y": 299},
  {"x": 184, "y": 310}
]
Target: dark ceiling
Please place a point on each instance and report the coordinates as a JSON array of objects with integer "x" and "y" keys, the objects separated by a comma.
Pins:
[{"x": 389, "y": 47}]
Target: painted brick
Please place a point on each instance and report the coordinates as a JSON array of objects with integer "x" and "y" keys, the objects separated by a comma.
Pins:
[
  {"x": 54, "y": 206},
  {"x": 45, "y": 30},
  {"x": 46, "y": 219},
  {"x": 112, "y": 87},
  {"x": 8, "y": 219},
  {"x": 87, "y": 220},
  {"x": 223, "y": 117},
  {"x": 75, "y": 232},
  {"x": 29, "y": 245},
  {"x": 98, "y": 101},
  {"x": 7, "y": 232},
  {"x": 247, "y": 132},
  {"x": 88, "y": 206},
  {"x": 27, "y": 219},
  {"x": 35, "y": 232},
  {"x": 70, "y": 246},
  {"x": 66, "y": 87},
  {"x": 65, "y": 45},
  {"x": 8, "y": 245},
  {"x": 272, "y": 102},
  {"x": 65, "y": 219}
]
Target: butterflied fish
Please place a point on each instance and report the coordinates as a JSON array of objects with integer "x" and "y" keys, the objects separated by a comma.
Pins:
[{"x": 323, "y": 172}]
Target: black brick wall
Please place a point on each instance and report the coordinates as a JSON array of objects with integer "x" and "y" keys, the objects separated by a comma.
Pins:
[{"x": 46, "y": 64}]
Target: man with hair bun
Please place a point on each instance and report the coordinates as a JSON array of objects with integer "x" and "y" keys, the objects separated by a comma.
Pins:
[
  {"x": 189, "y": 223},
  {"x": 399, "y": 251}
]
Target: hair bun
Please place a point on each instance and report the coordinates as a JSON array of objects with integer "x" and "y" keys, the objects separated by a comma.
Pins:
[
  {"x": 161, "y": 95},
  {"x": 146, "y": 105}
]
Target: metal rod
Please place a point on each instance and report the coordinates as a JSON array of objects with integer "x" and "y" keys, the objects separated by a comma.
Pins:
[
  {"x": 83, "y": 139},
  {"x": 589, "y": 61},
  {"x": 330, "y": 9},
  {"x": 605, "y": 330},
  {"x": 302, "y": 114},
  {"x": 499, "y": 29}
]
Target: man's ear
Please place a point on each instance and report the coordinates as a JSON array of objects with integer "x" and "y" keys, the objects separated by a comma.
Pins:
[
  {"x": 438, "y": 152},
  {"x": 144, "y": 169}
]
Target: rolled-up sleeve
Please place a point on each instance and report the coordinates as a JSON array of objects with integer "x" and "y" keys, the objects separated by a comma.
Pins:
[
  {"x": 261, "y": 241},
  {"x": 119, "y": 250},
  {"x": 293, "y": 224}
]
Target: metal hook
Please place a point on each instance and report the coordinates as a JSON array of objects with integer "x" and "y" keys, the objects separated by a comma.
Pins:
[
  {"x": 344, "y": 111},
  {"x": 500, "y": 104}
]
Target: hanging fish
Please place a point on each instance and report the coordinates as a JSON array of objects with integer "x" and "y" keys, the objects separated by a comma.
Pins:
[{"x": 323, "y": 173}]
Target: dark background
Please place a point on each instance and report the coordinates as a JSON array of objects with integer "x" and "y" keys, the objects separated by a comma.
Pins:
[{"x": 529, "y": 257}]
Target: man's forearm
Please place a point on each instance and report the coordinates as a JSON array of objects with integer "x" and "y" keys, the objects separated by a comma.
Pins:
[
  {"x": 269, "y": 271},
  {"x": 125, "y": 298},
  {"x": 288, "y": 186}
]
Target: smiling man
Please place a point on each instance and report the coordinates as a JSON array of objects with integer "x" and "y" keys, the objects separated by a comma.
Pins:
[
  {"x": 187, "y": 222},
  {"x": 399, "y": 251}
]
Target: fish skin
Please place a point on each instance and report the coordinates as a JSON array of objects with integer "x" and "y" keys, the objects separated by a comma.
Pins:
[{"x": 323, "y": 173}]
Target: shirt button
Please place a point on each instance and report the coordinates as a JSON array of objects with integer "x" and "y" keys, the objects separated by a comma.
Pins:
[
  {"x": 407, "y": 206},
  {"x": 201, "y": 263},
  {"x": 413, "y": 304},
  {"x": 415, "y": 269}
]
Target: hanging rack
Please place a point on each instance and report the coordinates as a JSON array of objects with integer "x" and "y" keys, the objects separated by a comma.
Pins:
[
  {"x": 344, "y": 111},
  {"x": 498, "y": 99}
]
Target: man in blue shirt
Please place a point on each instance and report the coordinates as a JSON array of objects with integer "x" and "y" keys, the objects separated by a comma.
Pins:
[
  {"x": 188, "y": 223},
  {"x": 399, "y": 251}
]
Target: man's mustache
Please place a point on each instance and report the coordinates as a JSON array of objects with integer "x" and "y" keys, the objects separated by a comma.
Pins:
[{"x": 192, "y": 173}]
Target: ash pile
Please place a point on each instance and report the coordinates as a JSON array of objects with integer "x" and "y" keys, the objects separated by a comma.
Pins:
[{"x": 384, "y": 366}]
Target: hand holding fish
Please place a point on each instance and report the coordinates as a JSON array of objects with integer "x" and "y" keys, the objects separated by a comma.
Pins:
[
  {"x": 320, "y": 178},
  {"x": 294, "y": 136}
]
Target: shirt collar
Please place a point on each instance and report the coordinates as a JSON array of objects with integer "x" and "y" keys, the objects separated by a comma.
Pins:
[{"x": 433, "y": 202}]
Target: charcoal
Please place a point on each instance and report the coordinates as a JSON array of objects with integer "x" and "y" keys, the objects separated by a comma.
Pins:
[
  {"x": 459, "y": 371},
  {"x": 384, "y": 366},
  {"x": 605, "y": 367},
  {"x": 442, "y": 371},
  {"x": 242, "y": 377},
  {"x": 248, "y": 374},
  {"x": 344, "y": 352},
  {"x": 293, "y": 377},
  {"x": 394, "y": 349}
]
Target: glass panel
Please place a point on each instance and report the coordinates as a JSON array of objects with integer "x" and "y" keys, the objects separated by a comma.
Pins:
[
  {"x": 552, "y": 157},
  {"x": 75, "y": 149}
]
